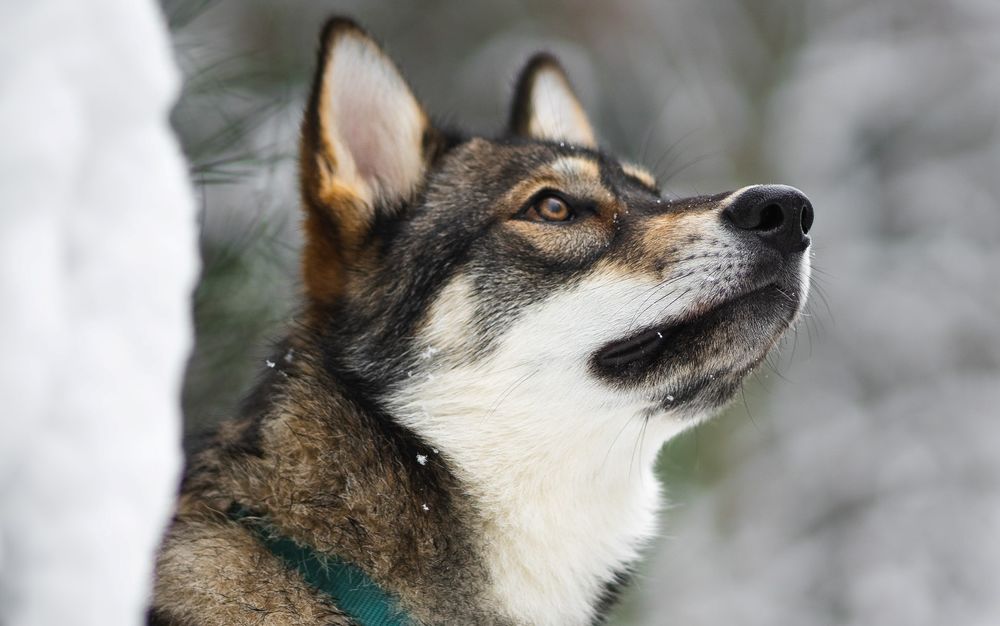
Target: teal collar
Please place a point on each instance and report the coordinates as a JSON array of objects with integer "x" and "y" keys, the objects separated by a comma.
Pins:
[{"x": 352, "y": 590}]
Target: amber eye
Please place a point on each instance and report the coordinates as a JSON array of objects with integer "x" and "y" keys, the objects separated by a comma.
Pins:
[{"x": 549, "y": 209}]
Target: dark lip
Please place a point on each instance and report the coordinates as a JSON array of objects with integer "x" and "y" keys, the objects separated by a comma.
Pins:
[
  {"x": 637, "y": 347},
  {"x": 647, "y": 345}
]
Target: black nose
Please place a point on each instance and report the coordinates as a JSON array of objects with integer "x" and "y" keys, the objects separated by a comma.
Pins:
[{"x": 778, "y": 215}]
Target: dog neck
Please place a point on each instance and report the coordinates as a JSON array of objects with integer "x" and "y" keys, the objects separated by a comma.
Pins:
[{"x": 562, "y": 478}]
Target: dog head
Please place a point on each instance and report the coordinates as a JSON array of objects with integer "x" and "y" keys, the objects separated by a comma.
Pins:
[{"x": 448, "y": 270}]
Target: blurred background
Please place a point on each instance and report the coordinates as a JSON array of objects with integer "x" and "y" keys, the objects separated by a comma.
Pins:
[{"x": 857, "y": 481}]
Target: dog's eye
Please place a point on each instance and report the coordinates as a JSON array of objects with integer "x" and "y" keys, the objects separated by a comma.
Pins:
[{"x": 549, "y": 208}]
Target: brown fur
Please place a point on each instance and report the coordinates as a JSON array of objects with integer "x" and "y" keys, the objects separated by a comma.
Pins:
[{"x": 321, "y": 471}]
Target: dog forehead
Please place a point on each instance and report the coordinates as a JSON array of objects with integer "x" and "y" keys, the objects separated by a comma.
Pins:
[{"x": 499, "y": 173}]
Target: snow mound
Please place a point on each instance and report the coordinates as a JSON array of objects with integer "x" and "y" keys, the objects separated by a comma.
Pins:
[{"x": 97, "y": 261}]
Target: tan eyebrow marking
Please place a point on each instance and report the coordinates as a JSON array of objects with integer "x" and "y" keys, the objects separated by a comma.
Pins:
[
  {"x": 639, "y": 173},
  {"x": 576, "y": 169},
  {"x": 579, "y": 175},
  {"x": 576, "y": 175}
]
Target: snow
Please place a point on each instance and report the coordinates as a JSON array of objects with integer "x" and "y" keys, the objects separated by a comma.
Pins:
[
  {"x": 422, "y": 459},
  {"x": 97, "y": 261}
]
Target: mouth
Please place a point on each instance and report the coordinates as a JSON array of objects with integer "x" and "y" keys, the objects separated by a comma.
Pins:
[
  {"x": 646, "y": 345},
  {"x": 685, "y": 338}
]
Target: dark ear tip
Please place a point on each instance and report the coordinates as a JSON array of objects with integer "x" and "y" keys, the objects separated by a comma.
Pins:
[
  {"x": 539, "y": 61},
  {"x": 338, "y": 25},
  {"x": 521, "y": 109},
  {"x": 334, "y": 27}
]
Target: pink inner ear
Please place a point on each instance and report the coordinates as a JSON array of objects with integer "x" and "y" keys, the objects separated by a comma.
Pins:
[
  {"x": 362, "y": 142},
  {"x": 376, "y": 118}
]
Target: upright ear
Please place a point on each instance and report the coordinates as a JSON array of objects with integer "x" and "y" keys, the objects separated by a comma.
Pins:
[
  {"x": 545, "y": 106},
  {"x": 362, "y": 152}
]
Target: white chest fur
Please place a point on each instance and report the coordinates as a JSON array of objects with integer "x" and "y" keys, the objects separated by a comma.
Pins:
[
  {"x": 561, "y": 466},
  {"x": 564, "y": 481}
]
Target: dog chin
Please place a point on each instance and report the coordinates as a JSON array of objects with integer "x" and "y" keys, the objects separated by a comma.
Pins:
[{"x": 697, "y": 363}]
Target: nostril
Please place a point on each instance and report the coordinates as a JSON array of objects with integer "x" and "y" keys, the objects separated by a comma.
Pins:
[
  {"x": 771, "y": 218},
  {"x": 807, "y": 217},
  {"x": 777, "y": 215}
]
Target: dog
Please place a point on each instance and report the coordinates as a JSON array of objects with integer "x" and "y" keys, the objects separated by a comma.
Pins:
[{"x": 496, "y": 337}]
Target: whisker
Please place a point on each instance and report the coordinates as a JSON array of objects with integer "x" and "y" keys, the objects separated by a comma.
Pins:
[
  {"x": 643, "y": 308},
  {"x": 638, "y": 441},
  {"x": 661, "y": 299},
  {"x": 746, "y": 405},
  {"x": 517, "y": 383},
  {"x": 613, "y": 441}
]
